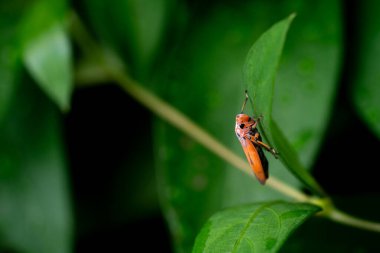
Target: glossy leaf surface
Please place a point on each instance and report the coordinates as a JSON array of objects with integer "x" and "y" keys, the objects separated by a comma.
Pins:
[{"x": 252, "y": 228}]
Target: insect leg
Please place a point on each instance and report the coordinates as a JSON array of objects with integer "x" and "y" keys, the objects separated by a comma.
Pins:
[
  {"x": 264, "y": 145},
  {"x": 268, "y": 148},
  {"x": 254, "y": 125},
  {"x": 257, "y": 120}
]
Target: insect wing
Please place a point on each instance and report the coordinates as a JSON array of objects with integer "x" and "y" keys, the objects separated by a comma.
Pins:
[
  {"x": 254, "y": 160},
  {"x": 263, "y": 159}
]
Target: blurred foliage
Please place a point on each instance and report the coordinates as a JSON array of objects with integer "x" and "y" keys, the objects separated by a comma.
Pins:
[
  {"x": 10, "y": 52},
  {"x": 366, "y": 89},
  {"x": 191, "y": 53},
  {"x": 137, "y": 29},
  {"x": 44, "y": 42},
  {"x": 214, "y": 52},
  {"x": 34, "y": 196},
  {"x": 35, "y": 213}
]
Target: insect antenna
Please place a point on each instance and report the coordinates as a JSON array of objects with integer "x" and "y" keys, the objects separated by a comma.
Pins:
[
  {"x": 250, "y": 100},
  {"x": 245, "y": 101}
]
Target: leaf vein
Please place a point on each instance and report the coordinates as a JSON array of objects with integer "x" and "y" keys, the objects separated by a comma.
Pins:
[{"x": 249, "y": 223}]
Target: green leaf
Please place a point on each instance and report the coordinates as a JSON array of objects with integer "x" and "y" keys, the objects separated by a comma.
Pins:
[
  {"x": 260, "y": 71},
  {"x": 47, "y": 51},
  {"x": 199, "y": 79},
  {"x": 35, "y": 215},
  {"x": 262, "y": 62},
  {"x": 134, "y": 28},
  {"x": 366, "y": 89},
  {"x": 337, "y": 237},
  {"x": 203, "y": 78},
  {"x": 306, "y": 80},
  {"x": 9, "y": 69},
  {"x": 10, "y": 54},
  {"x": 258, "y": 227}
]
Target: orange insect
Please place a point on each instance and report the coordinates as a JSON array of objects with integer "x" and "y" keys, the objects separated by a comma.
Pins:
[{"x": 250, "y": 139}]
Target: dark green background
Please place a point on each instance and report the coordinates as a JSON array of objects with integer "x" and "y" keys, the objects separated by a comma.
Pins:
[{"x": 93, "y": 171}]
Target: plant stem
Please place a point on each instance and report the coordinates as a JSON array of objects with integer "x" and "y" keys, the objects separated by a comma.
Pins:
[
  {"x": 344, "y": 218},
  {"x": 183, "y": 123},
  {"x": 117, "y": 73}
]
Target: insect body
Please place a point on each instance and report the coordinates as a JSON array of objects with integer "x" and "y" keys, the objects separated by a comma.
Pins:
[{"x": 250, "y": 139}]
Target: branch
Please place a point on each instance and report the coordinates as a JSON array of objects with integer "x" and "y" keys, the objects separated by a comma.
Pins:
[{"x": 114, "y": 69}]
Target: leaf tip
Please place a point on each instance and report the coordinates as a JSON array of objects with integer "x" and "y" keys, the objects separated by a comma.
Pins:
[
  {"x": 292, "y": 16},
  {"x": 65, "y": 108}
]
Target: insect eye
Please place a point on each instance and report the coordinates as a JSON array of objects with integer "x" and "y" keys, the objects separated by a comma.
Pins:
[{"x": 241, "y": 126}]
